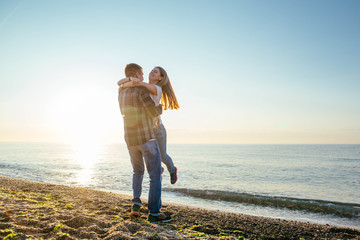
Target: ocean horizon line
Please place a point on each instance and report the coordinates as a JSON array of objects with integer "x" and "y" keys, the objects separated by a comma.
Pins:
[{"x": 123, "y": 143}]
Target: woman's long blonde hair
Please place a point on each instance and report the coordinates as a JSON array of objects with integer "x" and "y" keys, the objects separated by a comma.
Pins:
[{"x": 168, "y": 98}]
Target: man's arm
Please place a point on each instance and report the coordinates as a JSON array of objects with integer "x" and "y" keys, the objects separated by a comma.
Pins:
[{"x": 149, "y": 104}]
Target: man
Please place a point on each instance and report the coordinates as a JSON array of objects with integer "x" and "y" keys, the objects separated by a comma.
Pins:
[{"x": 138, "y": 111}]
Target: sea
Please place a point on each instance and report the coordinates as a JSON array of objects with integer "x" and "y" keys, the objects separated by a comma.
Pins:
[{"x": 311, "y": 183}]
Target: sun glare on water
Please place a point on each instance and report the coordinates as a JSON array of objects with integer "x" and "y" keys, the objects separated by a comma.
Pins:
[
  {"x": 82, "y": 117},
  {"x": 86, "y": 154}
]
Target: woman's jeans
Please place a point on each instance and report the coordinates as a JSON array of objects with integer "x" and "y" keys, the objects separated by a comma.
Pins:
[
  {"x": 160, "y": 134},
  {"x": 148, "y": 152}
]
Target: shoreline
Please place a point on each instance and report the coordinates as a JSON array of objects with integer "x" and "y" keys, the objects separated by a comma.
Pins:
[
  {"x": 261, "y": 205},
  {"x": 41, "y": 210}
]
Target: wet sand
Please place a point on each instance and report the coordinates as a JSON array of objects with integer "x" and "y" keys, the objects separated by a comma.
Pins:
[{"x": 34, "y": 210}]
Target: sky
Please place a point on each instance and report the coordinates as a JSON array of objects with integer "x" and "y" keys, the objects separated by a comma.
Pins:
[{"x": 244, "y": 72}]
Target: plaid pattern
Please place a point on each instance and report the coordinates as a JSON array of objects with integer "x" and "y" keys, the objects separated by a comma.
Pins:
[{"x": 138, "y": 110}]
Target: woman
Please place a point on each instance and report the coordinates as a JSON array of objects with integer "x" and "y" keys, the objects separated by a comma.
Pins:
[{"x": 160, "y": 90}]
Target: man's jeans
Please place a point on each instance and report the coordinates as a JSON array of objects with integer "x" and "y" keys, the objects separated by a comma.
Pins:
[
  {"x": 148, "y": 152},
  {"x": 160, "y": 134}
]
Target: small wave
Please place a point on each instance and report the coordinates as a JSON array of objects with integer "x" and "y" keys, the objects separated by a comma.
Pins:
[
  {"x": 13, "y": 166},
  {"x": 348, "y": 210},
  {"x": 5, "y": 165},
  {"x": 347, "y": 159}
]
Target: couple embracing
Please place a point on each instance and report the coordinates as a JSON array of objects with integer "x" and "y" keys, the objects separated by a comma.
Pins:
[{"x": 145, "y": 135}]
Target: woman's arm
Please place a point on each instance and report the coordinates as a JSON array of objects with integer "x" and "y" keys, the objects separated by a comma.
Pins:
[
  {"x": 124, "y": 80},
  {"x": 128, "y": 82},
  {"x": 133, "y": 82},
  {"x": 151, "y": 87}
]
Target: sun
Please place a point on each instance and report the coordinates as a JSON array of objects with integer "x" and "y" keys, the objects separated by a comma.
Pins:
[
  {"x": 81, "y": 115},
  {"x": 84, "y": 115}
]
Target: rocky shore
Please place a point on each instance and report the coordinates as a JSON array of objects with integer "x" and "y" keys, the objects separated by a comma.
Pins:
[{"x": 34, "y": 210}]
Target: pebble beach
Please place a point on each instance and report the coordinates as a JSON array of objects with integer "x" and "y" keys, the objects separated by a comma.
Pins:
[{"x": 35, "y": 210}]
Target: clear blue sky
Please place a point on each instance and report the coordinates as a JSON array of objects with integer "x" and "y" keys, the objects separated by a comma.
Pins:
[{"x": 243, "y": 71}]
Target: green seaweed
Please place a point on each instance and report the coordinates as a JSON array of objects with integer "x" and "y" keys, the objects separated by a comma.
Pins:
[
  {"x": 69, "y": 206},
  {"x": 10, "y": 235},
  {"x": 58, "y": 226}
]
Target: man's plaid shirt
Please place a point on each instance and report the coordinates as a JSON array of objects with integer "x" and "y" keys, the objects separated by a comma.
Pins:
[{"x": 138, "y": 111}]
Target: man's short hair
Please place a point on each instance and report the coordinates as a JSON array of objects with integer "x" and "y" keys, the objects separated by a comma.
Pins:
[{"x": 131, "y": 69}]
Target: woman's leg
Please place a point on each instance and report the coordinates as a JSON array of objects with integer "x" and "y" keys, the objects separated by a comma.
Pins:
[{"x": 160, "y": 134}]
